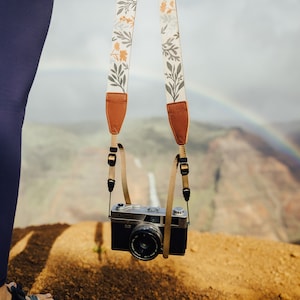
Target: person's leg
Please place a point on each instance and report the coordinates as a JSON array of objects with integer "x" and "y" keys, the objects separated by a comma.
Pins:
[{"x": 23, "y": 29}]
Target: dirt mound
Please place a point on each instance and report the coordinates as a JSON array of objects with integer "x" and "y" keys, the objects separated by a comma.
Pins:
[{"x": 76, "y": 262}]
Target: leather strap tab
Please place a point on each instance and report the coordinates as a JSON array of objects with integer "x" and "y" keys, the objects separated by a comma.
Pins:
[
  {"x": 179, "y": 121},
  {"x": 116, "y": 106}
]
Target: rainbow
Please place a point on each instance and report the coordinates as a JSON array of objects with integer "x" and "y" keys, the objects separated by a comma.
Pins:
[{"x": 273, "y": 135}]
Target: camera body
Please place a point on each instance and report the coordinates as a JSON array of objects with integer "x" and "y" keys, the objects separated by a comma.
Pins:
[{"x": 140, "y": 230}]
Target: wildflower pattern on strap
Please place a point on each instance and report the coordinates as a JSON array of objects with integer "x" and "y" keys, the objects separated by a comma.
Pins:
[
  {"x": 121, "y": 46},
  {"x": 171, "y": 50}
]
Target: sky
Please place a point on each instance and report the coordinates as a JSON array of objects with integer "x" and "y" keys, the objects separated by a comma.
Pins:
[{"x": 240, "y": 59}]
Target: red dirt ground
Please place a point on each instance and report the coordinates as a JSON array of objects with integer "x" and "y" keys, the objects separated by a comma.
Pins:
[{"x": 76, "y": 262}]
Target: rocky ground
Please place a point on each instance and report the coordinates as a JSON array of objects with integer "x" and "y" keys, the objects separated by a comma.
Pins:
[{"x": 76, "y": 262}]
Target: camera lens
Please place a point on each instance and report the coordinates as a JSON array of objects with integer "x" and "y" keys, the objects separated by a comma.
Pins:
[{"x": 145, "y": 241}]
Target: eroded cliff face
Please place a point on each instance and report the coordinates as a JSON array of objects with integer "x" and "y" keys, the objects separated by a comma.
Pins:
[
  {"x": 239, "y": 184},
  {"x": 254, "y": 193}
]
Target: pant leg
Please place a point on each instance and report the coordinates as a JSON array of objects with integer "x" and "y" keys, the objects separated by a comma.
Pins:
[{"x": 23, "y": 29}]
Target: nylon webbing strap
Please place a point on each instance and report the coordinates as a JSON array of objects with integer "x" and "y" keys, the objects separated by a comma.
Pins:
[
  {"x": 168, "y": 219},
  {"x": 117, "y": 90}
]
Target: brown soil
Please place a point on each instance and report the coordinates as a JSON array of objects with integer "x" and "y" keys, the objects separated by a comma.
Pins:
[{"x": 76, "y": 262}]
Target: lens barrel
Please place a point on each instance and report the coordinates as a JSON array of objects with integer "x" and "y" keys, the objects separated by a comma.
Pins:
[{"x": 145, "y": 241}]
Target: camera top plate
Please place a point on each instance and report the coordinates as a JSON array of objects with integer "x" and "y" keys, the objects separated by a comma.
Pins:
[{"x": 136, "y": 213}]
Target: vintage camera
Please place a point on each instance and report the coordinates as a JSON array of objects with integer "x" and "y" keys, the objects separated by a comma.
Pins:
[{"x": 140, "y": 230}]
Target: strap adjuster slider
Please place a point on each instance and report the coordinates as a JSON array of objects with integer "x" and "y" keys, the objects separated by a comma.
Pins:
[
  {"x": 184, "y": 169},
  {"x": 112, "y": 158}
]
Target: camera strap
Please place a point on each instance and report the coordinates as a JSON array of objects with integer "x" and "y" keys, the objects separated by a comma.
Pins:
[{"x": 117, "y": 96}]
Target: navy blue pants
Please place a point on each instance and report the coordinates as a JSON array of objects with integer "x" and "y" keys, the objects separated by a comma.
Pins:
[{"x": 23, "y": 29}]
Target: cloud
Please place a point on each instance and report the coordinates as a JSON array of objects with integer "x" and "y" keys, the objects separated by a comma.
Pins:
[{"x": 246, "y": 51}]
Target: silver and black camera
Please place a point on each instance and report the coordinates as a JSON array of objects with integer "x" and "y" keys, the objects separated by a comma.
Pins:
[{"x": 140, "y": 230}]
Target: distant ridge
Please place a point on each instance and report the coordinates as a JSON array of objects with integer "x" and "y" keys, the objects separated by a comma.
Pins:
[{"x": 240, "y": 184}]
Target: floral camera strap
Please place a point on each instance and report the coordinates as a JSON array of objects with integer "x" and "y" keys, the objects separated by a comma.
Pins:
[{"x": 117, "y": 85}]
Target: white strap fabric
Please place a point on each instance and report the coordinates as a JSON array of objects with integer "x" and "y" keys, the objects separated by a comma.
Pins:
[
  {"x": 171, "y": 50},
  {"x": 122, "y": 38},
  {"x": 121, "y": 46}
]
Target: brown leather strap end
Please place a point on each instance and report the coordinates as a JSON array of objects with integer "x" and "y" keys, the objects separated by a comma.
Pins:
[
  {"x": 179, "y": 121},
  {"x": 116, "y": 105}
]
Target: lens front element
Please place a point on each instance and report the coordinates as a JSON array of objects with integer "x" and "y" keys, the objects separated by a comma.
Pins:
[{"x": 145, "y": 241}]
